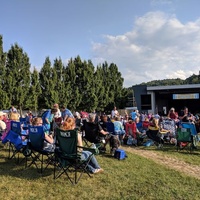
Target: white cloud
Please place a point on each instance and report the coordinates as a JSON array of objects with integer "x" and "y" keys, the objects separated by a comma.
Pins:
[{"x": 158, "y": 47}]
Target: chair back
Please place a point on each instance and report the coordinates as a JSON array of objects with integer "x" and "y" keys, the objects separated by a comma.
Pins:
[
  {"x": 91, "y": 132},
  {"x": 110, "y": 127},
  {"x": 14, "y": 138},
  {"x": 22, "y": 120},
  {"x": 169, "y": 124},
  {"x": 184, "y": 135},
  {"x": 16, "y": 127},
  {"x": 36, "y": 137},
  {"x": 190, "y": 126},
  {"x": 67, "y": 141}
]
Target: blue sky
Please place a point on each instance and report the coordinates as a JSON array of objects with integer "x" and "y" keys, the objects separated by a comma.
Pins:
[{"x": 146, "y": 39}]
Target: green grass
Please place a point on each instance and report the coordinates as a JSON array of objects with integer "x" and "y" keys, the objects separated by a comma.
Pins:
[{"x": 133, "y": 178}]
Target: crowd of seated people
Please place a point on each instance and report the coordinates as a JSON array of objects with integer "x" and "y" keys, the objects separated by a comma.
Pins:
[{"x": 131, "y": 129}]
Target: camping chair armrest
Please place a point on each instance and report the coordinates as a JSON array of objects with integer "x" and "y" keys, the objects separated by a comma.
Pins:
[
  {"x": 92, "y": 150},
  {"x": 85, "y": 148}
]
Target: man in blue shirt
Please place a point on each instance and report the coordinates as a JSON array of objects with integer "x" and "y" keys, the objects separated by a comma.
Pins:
[
  {"x": 47, "y": 118},
  {"x": 133, "y": 115},
  {"x": 65, "y": 113}
]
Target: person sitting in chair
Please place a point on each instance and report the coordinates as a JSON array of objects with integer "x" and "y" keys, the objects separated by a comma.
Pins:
[
  {"x": 107, "y": 138},
  {"x": 93, "y": 130},
  {"x": 93, "y": 166},
  {"x": 155, "y": 132},
  {"x": 119, "y": 129},
  {"x": 49, "y": 144}
]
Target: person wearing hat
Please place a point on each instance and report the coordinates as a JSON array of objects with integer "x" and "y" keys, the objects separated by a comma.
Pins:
[{"x": 2, "y": 123}]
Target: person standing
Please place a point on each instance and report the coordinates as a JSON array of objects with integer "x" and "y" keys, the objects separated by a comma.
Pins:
[
  {"x": 13, "y": 109},
  {"x": 114, "y": 112},
  {"x": 133, "y": 115}
]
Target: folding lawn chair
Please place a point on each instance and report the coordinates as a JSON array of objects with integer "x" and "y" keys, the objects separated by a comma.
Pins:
[
  {"x": 184, "y": 139},
  {"x": 170, "y": 125},
  {"x": 36, "y": 143},
  {"x": 68, "y": 158},
  {"x": 110, "y": 127},
  {"x": 90, "y": 136},
  {"x": 23, "y": 120},
  {"x": 193, "y": 131},
  {"x": 17, "y": 140}
]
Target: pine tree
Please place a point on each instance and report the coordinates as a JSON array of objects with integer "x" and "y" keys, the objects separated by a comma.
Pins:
[
  {"x": 4, "y": 101},
  {"x": 45, "y": 77},
  {"x": 18, "y": 73},
  {"x": 35, "y": 91}
]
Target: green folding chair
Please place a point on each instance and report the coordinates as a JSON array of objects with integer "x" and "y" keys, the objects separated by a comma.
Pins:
[
  {"x": 68, "y": 157},
  {"x": 184, "y": 139}
]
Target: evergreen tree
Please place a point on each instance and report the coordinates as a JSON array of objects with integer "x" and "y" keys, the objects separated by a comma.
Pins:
[
  {"x": 73, "y": 96},
  {"x": 89, "y": 96},
  {"x": 35, "y": 91},
  {"x": 107, "y": 82},
  {"x": 18, "y": 73},
  {"x": 45, "y": 77},
  {"x": 116, "y": 85},
  {"x": 4, "y": 101},
  {"x": 61, "y": 86},
  {"x": 100, "y": 89},
  {"x": 85, "y": 83}
]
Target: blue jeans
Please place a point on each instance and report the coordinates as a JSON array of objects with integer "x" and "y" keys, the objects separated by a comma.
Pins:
[
  {"x": 93, "y": 164},
  {"x": 120, "y": 132}
]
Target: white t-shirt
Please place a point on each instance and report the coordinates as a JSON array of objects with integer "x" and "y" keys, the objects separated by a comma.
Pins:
[
  {"x": 57, "y": 114},
  {"x": 114, "y": 113}
]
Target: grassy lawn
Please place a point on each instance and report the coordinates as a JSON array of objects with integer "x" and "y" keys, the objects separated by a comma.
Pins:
[{"x": 133, "y": 178}]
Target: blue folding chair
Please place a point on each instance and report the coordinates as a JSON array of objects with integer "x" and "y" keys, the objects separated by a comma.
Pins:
[
  {"x": 36, "y": 144},
  {"x": 110, "y": 127},
  {"x": 16, "y": 140}
]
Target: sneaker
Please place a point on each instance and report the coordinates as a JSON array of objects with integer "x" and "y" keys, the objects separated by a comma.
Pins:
[{"x": 98, "y": 171}]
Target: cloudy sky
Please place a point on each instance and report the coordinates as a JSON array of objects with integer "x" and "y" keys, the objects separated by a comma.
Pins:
[{"x": 146, "y": 39}]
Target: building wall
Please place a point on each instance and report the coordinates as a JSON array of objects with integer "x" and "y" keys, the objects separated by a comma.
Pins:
[
  {"x": 139, "y": 90},
  {"x": 161, "y": 98}
]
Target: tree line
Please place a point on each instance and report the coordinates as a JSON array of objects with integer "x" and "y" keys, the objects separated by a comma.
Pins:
[
  {"x": 193, "y": 79},
  {"x": 79, "y": 85}
]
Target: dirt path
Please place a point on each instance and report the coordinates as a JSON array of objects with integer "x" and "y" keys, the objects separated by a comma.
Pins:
[{"x": 188, "y": 169}]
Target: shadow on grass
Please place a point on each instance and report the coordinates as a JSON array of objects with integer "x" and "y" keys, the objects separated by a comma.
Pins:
[{"x": 16, "y": 168}]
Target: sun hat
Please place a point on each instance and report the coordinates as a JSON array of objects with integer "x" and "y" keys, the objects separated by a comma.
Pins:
[{"x": 2, "y": 113}]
